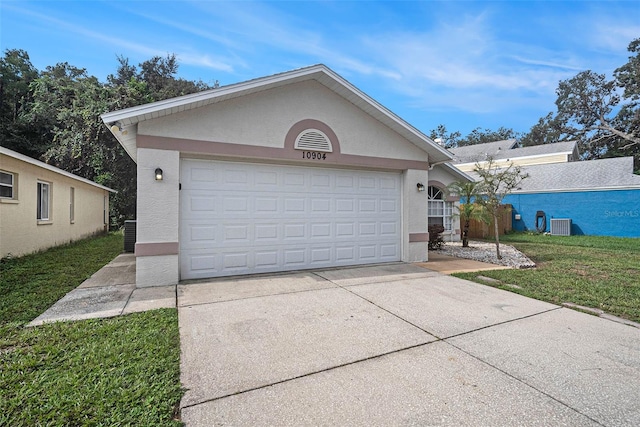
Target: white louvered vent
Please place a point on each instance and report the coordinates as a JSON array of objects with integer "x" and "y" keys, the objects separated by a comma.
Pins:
[
  {"x": 313, "y": 140},
  {"x": 560, "y": 227}
]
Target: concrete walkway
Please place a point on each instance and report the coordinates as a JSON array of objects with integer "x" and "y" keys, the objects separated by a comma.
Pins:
[{"x": 111, "y": 291}]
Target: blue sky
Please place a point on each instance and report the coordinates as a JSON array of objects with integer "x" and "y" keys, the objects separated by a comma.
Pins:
[{"x": 464, "y": 64}]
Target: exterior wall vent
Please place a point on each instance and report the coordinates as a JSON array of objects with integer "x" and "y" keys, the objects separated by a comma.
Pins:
[
  {"x": 313, "y": 140},
  {"x": 560, "y": 227}
]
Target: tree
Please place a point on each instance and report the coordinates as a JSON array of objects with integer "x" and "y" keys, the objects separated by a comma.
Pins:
[
  {"x": 479, "y": 136},
  {"x": 495, "y": 184},
  {"x": 442, "y": 136},
  {"x": 602, "y": 115},
  {"x": 546, "y": 131},
  {"x": 18, "y": 130},
  {"x": 468, "y": 209},
  {"x": 63, "y": 105},
  {"x": 585, "y": 103}
]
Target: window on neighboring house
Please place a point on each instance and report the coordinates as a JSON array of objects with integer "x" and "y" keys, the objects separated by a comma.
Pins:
[
  {"x": 439, "y": 210},
  {"x": 44, "y": 200},
  {"x": 72, "y": 205},
  {"x": 6, "y": 185},
  {"x": 105, "y": 212}
]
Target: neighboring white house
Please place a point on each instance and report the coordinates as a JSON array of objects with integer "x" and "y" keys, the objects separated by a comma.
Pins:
[
  {"x": 292, "y": 171},
  {"x": 506, "y": 152},
  {"x": 42, "y": 206}
]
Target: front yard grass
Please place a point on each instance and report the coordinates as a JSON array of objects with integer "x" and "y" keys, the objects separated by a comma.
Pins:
[
  {"x": 118, "y": 371},
  {"x": 592, "y": 271}
]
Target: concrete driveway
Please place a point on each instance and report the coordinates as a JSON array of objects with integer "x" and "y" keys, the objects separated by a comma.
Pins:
[{"x": 397, "y": 344}]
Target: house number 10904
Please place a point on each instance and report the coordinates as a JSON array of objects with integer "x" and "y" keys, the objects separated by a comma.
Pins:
[{"x": 312, "y": 155}]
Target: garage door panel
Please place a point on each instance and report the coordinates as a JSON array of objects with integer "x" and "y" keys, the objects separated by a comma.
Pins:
[
  {"x": 368, "y": 253},
  {"x": 345, "y": 230},
  {"x": 200, "y": 265},
  {"x": 294, "y": 205},
  {"x": 266, "y": 205},
  {"x": 389, "y": 228},
  {"x": 268, "y": 233},
  {"x": 293, "y": 181},
  {"x": 389, "y": 206},
  {"x": 243, "y": 218},
  {"x": 389, "y": 251},
  {"x": 267, "y": 259},
  {"x": 367, "y": 206},
  {"x": 321, "y": 181}
]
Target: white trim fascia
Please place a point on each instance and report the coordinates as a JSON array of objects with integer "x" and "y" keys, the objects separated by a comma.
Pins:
[{"x": 38, "y": 163}]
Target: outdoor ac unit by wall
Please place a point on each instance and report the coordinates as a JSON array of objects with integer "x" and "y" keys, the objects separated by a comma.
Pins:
[{"x": 560, "y": 227}]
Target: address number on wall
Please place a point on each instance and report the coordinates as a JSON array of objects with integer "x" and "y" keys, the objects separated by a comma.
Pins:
[{"x": 314, "y": 155}]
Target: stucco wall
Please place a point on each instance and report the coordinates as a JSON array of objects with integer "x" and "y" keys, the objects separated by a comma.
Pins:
[
  {"x": 414, "y": 204},
  {"x": 157, "y": 217},
  {"x": 603, "y": 213},
  {"x": 264, "y": 118},
  {"x": 20, "y": 230}
]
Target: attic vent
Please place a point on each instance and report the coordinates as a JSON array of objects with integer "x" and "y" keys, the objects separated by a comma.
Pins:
[{"x": 313, "y": 140}]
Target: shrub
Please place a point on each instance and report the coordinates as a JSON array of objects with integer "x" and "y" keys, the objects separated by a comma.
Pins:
[{"x": 435, "y": 237}]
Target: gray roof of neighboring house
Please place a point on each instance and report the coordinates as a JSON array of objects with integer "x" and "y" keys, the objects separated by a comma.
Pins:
[
  {"x": 503, "y": 150},
  {"x": 478, "y": 152},
  {"x": 603, "y": 174}
]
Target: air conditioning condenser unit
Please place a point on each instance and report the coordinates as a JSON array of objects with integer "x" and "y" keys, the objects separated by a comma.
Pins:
[{"x": 560, "y": 227}]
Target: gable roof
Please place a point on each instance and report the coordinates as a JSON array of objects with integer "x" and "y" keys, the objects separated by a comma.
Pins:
[
  {"x": 502, "y": 150},
  {"x": 123, "y": 123},
  {"x": 589, "y": 175},
  {"x": 10, "y": 153}
]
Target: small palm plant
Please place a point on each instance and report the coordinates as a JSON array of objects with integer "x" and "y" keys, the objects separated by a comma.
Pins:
[{"x": 468, "y": 209}]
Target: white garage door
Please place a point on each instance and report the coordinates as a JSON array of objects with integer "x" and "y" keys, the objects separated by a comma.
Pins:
[{"x": 239, "y": 218}]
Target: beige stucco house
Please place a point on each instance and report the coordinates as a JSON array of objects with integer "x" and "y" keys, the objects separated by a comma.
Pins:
[
  {"x": 292, "y": 171},
  {"x": 42, "y": 206}
]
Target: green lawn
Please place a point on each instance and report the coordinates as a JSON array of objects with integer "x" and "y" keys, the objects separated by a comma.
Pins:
[
  {"x": 119, "y": 371},
  {"x": 597, "y": 272}
]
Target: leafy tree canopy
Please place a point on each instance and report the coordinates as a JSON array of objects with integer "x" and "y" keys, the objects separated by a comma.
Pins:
[
  {"x": 477, "y": 136},
  {"x": 602, "y": 115},
  {"x": 54, "y": 115}
]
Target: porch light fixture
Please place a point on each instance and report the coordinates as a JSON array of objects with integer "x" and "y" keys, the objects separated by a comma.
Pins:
[
  {"x": 420, "y": 186},
  {"x": 158, "y": 174}
]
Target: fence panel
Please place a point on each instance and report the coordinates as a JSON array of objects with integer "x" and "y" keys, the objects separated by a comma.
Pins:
[{"x": 480, "y": 230}]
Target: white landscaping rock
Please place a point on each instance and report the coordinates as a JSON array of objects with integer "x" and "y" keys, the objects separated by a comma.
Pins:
[{"x": 486, "y": 252}]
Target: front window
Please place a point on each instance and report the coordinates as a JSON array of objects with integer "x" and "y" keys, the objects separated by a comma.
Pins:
[
  {"x": 44, "y": 199},
  {"x": 6, "y": 185},
  {"x": 439, "y": 210}
]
